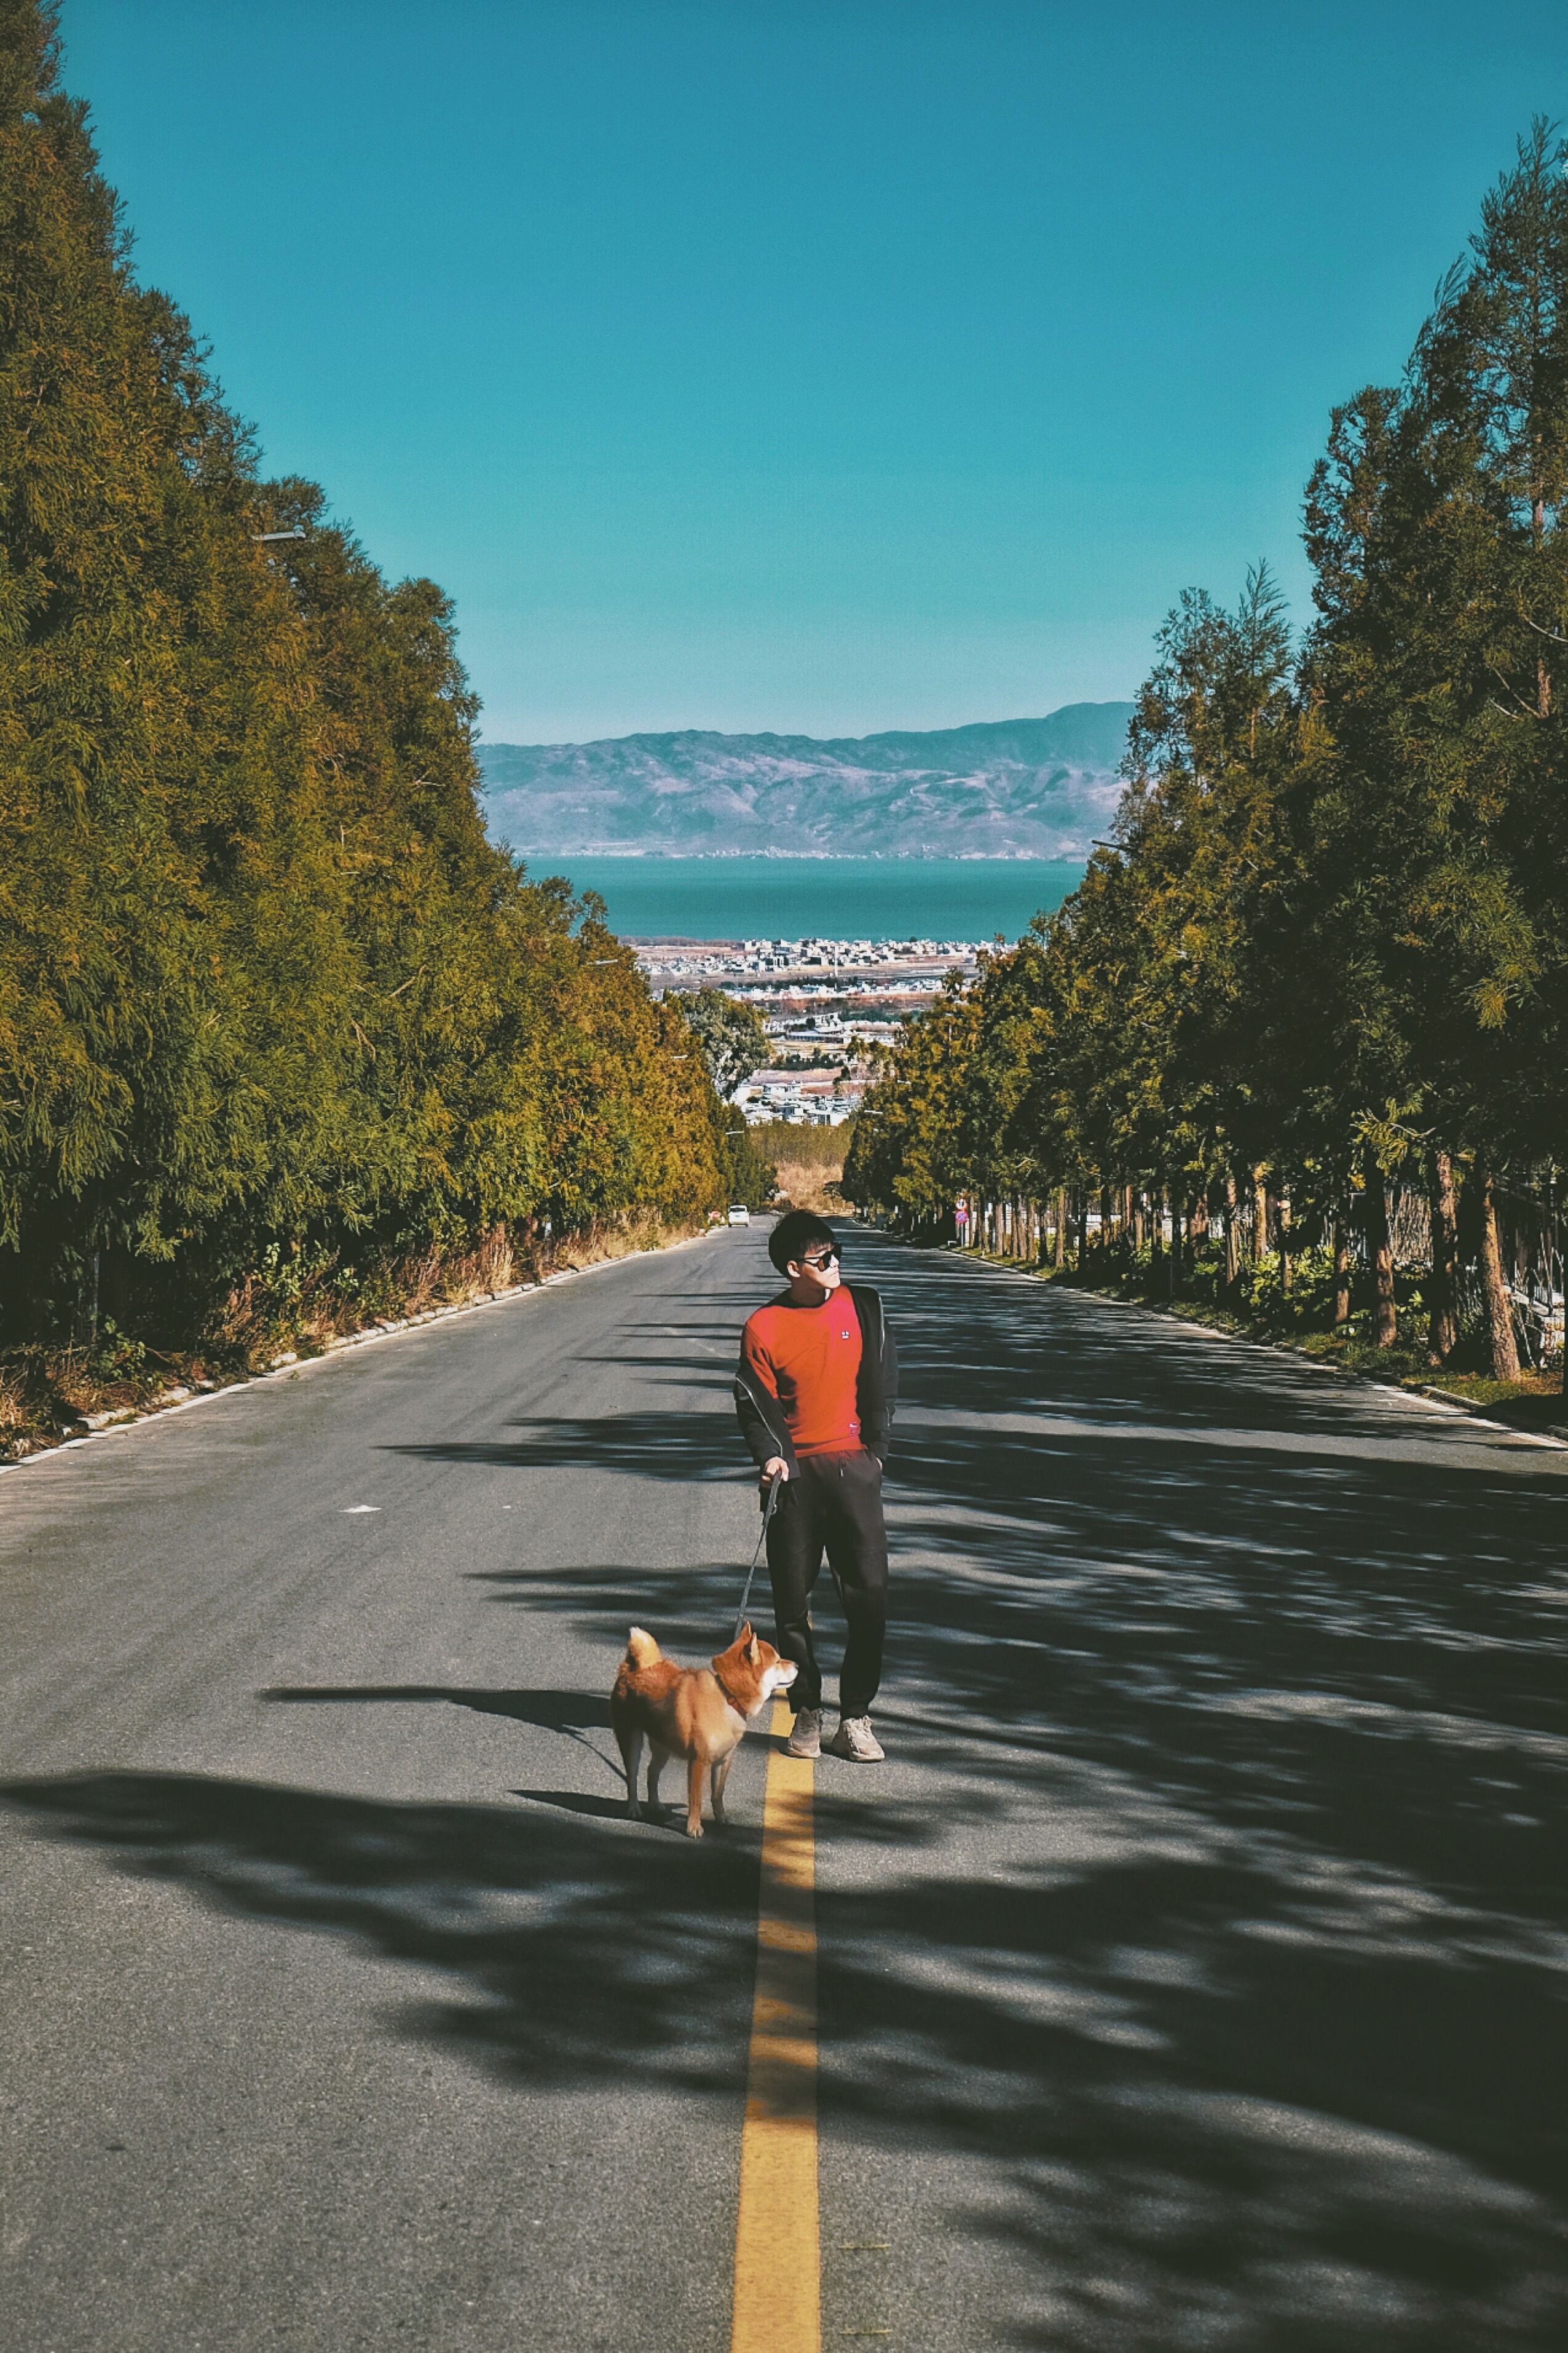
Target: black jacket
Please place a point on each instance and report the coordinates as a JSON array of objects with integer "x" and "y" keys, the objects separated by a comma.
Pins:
[{"x": 762, "y": 1423}]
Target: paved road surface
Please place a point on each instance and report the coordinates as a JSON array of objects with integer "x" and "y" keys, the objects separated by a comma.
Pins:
[{"x": 1192, "y": 1976}]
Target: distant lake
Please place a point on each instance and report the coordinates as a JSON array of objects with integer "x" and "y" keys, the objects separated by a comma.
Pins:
[{"x": 836, "y": 898}]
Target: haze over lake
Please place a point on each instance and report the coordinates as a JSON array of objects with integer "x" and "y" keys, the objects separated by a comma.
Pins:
[{"x": 832, "y": 898}]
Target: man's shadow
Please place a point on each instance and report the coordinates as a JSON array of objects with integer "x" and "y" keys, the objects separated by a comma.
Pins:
[{"x": 573, "y": 1713}]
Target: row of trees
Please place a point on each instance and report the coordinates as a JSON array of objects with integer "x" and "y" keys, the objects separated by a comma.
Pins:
[
  {"x": 1328, "y": 950},
  {"x": 263, "y": 979}
]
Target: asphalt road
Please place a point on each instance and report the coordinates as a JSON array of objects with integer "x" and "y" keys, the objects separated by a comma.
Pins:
[{"x": 1193, "y": 1975}]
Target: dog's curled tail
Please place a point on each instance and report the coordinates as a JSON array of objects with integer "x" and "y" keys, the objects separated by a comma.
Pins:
[{"x": 642, "y": 1651}]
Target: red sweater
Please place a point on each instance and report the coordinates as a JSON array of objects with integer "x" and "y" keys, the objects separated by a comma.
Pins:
[{"x": 809, "y": 1359}]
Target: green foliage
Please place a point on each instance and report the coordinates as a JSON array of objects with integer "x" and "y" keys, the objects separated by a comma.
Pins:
[
  {"x": 908, "y": 1151},
  {"x": 806, "y": 1146},
  {"x": 1331, "y": 938},
  {"x": 263, "y": 980},
  {"x": 750, "y": 1174}
]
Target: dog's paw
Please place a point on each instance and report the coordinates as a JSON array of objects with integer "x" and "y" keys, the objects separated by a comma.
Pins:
[{"x": 693, "y": 1829}]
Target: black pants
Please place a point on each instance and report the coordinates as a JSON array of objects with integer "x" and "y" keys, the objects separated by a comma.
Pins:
[{"x": 833, "y": 1501}]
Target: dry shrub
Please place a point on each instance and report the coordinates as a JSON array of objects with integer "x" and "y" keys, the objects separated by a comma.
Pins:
[
  {"x": 14, "y": 1413},
  {"x": 422, "y": 1282},
  {"x": 622, "y": 1238},
  {"x": 289, "y": 1304},
  {"x": 70, "y": 1377},
  {"x": 47, "y": 1392},
  {"x": 460, "y": 1280},
  {"x": 805, "y": 1188}
]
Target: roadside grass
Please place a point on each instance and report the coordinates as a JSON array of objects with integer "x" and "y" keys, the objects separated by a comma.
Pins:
[
  {"x": 295, "y": 1306},
  {"x": 808, "y": 1162},
  {"x": 1301, "y": 1321}
]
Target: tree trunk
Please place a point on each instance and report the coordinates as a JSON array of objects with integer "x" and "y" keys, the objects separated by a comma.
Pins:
[
  {"x": 1232, "y": 1233},
  {"x": 1341, "y": 1269},
  {"x": 1060, "y": 1252},
  {"x": 1199, "y": 1227},
  {"x": 1284, "y": 1220},
  {"x": 1380, "y": 1251},
  {"x": 1137, "y": 1219},
  {"x": 1494, "y": 1289},
  {"x": 1441, "y": 1330},
  {"x": 1259, "y": 1214},
  {"x": 1173, "y": 1270},
  {"x": 1081, "y": 1254},
  {"x": 84, "y": 1324},
  {"x": 1104, "y": 1221}
]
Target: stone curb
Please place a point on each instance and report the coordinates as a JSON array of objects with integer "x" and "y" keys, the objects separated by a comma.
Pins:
[{"x": 181, "y": 1399}]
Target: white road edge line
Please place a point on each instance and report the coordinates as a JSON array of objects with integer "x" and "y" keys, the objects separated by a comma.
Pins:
[{"x": 336, "y": 1350}]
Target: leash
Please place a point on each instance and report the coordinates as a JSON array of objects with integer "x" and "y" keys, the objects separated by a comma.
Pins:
[{"x": 774, "y": 1483}]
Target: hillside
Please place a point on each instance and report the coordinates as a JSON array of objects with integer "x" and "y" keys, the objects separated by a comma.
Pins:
[{"x": 1009, "y": 788}]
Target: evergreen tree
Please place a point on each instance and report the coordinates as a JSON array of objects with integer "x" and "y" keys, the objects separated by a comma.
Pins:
[{"x": 262, "y": 977}]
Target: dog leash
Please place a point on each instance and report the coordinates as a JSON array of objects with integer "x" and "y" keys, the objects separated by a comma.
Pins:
[{"x": 774, "y": 1485}]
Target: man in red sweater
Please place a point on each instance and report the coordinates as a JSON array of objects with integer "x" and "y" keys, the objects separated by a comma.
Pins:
[{"x": 814, "y": 1391}]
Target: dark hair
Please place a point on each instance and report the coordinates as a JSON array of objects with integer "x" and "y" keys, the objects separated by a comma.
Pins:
[{"x": 795, "y": 1233}]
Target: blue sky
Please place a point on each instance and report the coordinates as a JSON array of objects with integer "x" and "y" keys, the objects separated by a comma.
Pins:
[{"x": 817, "y": 368}]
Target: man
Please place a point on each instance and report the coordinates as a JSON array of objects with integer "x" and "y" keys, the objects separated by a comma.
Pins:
[{"x": 814, "y": 1391}]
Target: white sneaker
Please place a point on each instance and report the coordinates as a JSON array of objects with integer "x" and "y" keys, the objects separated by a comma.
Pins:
[
  {"x": 805, "y": 1740},
  {"x": 856, "y": 1740}
]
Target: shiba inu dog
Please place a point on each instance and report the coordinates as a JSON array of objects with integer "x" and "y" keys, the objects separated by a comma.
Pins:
[{"x": 698, "y": 1713}]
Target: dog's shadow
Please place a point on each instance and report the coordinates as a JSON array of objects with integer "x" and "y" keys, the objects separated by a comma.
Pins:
[
  {"x": 574, "y": 1713},
  {"x": 578, "y": 1801},
  {"x": 670, "y": 1817}
]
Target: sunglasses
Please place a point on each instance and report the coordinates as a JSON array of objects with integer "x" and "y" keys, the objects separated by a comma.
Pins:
[{"x": 819, "y": 1259}]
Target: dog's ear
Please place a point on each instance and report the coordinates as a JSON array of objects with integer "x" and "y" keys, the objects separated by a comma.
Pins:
[
  {"x": 745, "y": 1635},
  {"x": 753, "y": 1648}
]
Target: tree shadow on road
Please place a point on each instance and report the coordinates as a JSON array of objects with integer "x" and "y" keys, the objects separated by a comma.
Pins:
[
  {"x": 675, "y": 1446},
  {"x": 576, "y": 1951},
  {"x": 1205, "y": 1921},
  {"x": 1218, "y": 2088}
]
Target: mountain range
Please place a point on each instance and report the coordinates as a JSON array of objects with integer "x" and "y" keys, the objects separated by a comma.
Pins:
[{"x": 1006, "y": 789}]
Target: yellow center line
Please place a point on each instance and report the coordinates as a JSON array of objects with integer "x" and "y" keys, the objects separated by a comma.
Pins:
[{"x": 778, "y": 2261}]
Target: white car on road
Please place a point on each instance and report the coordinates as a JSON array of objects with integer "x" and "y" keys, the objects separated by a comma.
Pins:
[{"x": 739, "y": 1214}]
